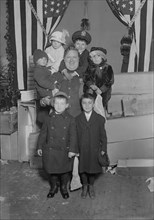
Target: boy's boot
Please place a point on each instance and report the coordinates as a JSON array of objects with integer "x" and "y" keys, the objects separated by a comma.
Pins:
[
  {"x": 84, "y": 191},
  {"x": 63, "y": 187},
  {"x": 91, "y": 192},
  {"x": 54, "y": 187}
]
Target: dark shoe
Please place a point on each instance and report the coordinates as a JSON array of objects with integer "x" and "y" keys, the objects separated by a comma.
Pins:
[
  {"x": 64, "y": 192},
  {"x": 52, "y": 192},
  {"x": 84, "y": 191},
  {"x": 91, "y": 192}
]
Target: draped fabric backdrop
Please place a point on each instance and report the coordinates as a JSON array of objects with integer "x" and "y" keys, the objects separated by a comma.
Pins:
[
  {"x": 142, "y": 48},
  {"x": 25, "y": 32}
]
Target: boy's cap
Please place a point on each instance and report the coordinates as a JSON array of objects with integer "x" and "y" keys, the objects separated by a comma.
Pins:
[
  {"x": 99, "y": 49},
  {"x": 61, "y": 94},
  {"x": 81, "y": 35},
  {"x": 39, "y": 54}
]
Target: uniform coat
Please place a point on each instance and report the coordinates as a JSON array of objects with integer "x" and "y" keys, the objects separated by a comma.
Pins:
[
  {"x": 91, "y": 137},
  {"x": 71, "y": 88},
  {"x": 56, "y": 139}
]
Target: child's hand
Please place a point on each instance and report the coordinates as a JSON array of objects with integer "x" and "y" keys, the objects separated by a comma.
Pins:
[
  {"x": 98, "y": 91},
  {"x": 54, "y": 91},
  {"x": 45, "y": 101},
  {"x": 39, "y": 152},
  {"x": 93, "y": 87},
  {"x": 102, "y": 152},
  {"x": 71, "y": 154}
]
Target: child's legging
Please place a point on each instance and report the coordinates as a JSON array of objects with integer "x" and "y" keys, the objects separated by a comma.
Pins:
[{"x": 87, "y": 178}]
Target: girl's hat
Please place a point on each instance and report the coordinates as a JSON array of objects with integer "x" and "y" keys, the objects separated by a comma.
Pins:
[
  {"x": 81, "y": 35},
  {"x": 59, "y": 36},
  {"x": 39, "y": 54},
  {"x": 98, "y": 50}
]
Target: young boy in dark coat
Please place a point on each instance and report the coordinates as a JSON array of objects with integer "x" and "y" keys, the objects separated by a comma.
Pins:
[
  {"x": 92, "y": 139},
  {"x": 57, "y": 145},
  {"x": 99, "y": 76}
]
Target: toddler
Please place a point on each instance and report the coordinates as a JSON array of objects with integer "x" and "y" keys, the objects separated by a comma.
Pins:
[{"x": 56, "y": 50}]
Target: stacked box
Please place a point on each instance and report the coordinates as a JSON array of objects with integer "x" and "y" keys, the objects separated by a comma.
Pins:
[
  {"x": 9, "y": 148},
  {"x": 8, "y": 122}
]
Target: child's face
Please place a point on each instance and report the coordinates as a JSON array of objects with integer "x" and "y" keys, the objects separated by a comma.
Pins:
[
  {"x": 87, "y": 104},
  {"x": 80, "y": 45},
  {"x": 56, "y": 44},
  {"x": 97, "y": 58},
  {"x": 42, "y": 61},
  {"x": 60, "y": 105}
]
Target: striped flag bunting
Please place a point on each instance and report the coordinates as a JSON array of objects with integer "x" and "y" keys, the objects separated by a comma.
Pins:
[
  {"x": 26, "y": 33},
  {"x": 142, "y": 48}
]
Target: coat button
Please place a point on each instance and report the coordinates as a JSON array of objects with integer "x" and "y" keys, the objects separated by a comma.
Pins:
[
  {"x": 65, "y": 127},
  {"x": 63, "y": 138},
  {"x": 52, "y": 127}
]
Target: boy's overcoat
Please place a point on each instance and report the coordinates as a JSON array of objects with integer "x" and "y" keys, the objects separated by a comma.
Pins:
[
  {"x": 56, "y": 139},
  {"x": 91, "y": 137}
]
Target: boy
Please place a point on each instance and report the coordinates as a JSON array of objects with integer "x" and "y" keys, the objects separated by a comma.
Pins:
[
  {"x": 99, "y": 77},
  {"x": 81, "y": 39},
  {"x": 56, "y": 50},
  {"x": 57, "y": 145},
  {"x": 91, "y": 137}
]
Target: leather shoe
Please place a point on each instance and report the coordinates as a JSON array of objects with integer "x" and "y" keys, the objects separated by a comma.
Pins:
[
  {"x": 52, "y": 192},
  {"x": 64, "y": 192},
  {"x": 91, "y": 192},
  {"x": 84, "y": 191}
]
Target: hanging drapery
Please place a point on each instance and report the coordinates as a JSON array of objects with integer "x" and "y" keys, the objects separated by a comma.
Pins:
[
  {"x": 137, "y": 15},
  {"x": 29, "y": 24}
]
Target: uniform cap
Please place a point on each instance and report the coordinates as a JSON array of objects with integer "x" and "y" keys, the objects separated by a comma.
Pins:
[{"x": 81, "y": 35}]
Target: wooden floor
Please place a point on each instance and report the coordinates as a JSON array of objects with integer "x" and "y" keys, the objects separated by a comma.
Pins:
[{"x": 24, "y": 190}]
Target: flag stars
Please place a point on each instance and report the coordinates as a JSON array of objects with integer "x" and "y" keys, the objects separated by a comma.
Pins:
[
  {"x": 57, "y": 11},
  {"x": 124, "y": 5},
  {"x": 117, "y": 2},
  {"x": 58, "y": 4},
  {"x": 130, "y": 9},
  {"x": 64, "y": 2},
  {"x": 52, "y": 3},
  {"x": 45, "y": 5},
  {"x": 131, "y": 2},
  {"x": 52, "y": 9}
]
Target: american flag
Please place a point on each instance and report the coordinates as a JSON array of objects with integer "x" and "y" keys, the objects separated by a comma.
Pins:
[
  {"x": 26, "y": 33},
  {"x": 125, "y": 6},
  {"x": 142, "y": 47}
]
